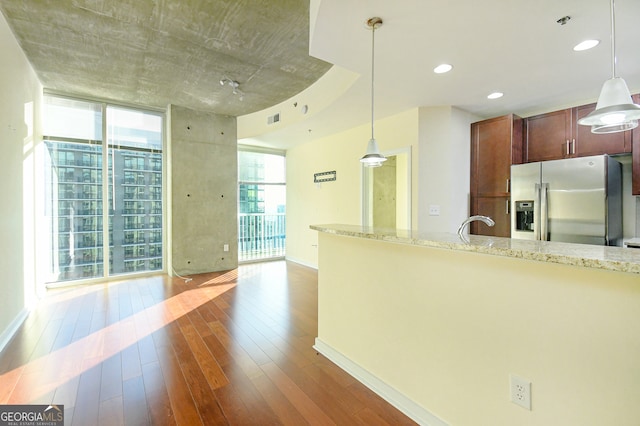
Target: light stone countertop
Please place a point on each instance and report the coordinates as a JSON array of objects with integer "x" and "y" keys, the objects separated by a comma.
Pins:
[{"x": 590, "y": 256}]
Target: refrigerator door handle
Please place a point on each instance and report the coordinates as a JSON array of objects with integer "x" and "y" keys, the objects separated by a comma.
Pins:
[
  {"x": 536, "y": 217},
  {"x": 544, "y": 212}
]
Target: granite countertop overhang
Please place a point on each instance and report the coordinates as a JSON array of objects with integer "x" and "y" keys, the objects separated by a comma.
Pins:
[{"x": 589, "y": 256}]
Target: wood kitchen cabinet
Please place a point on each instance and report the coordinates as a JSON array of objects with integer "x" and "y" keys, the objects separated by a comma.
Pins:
[
  {"x": 497, "y": 208},
  {"x": 587, "y": 143},
  {"x": 546, "y": 136},
  {"x": 556, "y": 135},
  {"x": 495, "y": 145}
]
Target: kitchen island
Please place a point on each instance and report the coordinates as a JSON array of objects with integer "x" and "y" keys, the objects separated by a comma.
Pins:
[{"x": 437, "y": 324}]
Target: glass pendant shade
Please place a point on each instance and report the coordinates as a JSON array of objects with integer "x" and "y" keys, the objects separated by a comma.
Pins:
[
  {"x": 615, "y": 111},
  {"x": 372, "y": 157}
]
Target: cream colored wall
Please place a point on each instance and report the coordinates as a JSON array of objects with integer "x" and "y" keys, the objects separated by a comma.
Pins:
[
  {"x": 339, "y": 201},
  {"x": 402, "y": 165},
  {"x": 20, "y": 104},
  {"x": 450, "y": 336}
]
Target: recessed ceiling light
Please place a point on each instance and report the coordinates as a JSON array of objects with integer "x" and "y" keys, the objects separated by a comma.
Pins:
[
  {"x": 585, "y": 45},
  {"x": 440, "y": 69},
  {"x": 495, "y": 95}
]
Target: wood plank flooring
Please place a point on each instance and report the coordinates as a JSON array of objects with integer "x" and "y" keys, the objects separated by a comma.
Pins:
[{"x": 232, "y": 348}]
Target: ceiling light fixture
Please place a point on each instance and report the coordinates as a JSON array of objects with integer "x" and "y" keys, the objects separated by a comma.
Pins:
[
  {"x": 615, "y": 111},
  {"x": 234, "y": 86},
  {"x": 442, "y": 68},
  {"x": 586, "y": 45},
  {"x": 373, "y": 158},
  {"x": 495, "y": 95}
]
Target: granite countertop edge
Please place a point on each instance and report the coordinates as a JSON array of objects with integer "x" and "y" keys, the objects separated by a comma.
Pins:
[{"x": 583, "y": 255}]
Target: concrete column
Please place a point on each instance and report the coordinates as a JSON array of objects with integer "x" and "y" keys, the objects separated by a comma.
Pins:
[{"x": 203, "y": 165}]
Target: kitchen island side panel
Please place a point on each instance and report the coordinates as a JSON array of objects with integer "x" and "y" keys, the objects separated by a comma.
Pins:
[{"x": 446, "y": 328}]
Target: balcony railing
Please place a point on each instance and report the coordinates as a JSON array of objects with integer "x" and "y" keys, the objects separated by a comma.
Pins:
[{"x": 260, "y": 236}]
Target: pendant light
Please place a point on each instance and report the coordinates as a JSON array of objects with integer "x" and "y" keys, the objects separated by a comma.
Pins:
[
  {"x": 373, "y": 158},
  {"x": 615, "y": 111}
]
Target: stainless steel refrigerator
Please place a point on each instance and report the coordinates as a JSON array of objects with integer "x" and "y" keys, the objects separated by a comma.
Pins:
[{"x": 577, "y": 200}]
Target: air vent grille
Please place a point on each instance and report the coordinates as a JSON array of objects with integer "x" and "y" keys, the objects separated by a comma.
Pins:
[{"x": 272, "y": 119}]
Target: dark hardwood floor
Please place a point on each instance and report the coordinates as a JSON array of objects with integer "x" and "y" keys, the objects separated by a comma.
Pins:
[{"x": 224, "y": 348}]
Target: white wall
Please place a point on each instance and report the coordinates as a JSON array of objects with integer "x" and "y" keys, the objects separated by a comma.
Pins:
[
  {"x": 444, "y": 161},
  {"x": 20, "y": 102}
]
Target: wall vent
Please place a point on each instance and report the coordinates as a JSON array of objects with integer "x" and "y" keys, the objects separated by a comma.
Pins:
[{"x": 272, "y": 119}]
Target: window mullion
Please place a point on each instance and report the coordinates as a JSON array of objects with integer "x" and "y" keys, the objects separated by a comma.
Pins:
[{"x": 106, "y": 206}]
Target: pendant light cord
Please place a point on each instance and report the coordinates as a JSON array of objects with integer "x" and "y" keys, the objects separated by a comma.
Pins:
[
  {"x": 613, "y": 39},
  {"x": 373, "y": 38}
]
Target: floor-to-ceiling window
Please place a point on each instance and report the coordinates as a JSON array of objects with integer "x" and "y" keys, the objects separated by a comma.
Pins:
[
  {"x": 261, "y": 205},
  {"x": 89, "y": 183}
]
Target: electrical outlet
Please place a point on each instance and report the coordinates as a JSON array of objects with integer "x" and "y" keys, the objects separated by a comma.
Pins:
[
  {"x": 434, "y": 210},
  {"x": 520, "y": 391},
  {"x": 225, "y": 247}
]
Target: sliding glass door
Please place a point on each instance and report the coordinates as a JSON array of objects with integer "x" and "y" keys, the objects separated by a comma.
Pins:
[
  {"x": 78, "y": 180},
  {"x": 261, "y": 206}
]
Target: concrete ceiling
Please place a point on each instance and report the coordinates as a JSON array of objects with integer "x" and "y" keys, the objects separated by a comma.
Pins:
[{"x": 157, "y": 52}]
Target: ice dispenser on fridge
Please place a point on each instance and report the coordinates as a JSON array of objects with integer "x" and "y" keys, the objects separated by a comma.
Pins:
[{"x": 524, "y": 216}]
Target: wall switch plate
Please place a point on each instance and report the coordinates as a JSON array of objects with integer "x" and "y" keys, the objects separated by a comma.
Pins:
[
  {"x": 434, "y": 210},
  {"x": 225, "y": 247},
  {"x": 520, "y": 391}
]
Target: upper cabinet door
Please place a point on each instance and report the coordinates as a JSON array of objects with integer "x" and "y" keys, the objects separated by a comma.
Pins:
[
  {"x": 587, "y": 143},
  {"x": 548, "y": 136},
  {"x": 493, "y": 150}
]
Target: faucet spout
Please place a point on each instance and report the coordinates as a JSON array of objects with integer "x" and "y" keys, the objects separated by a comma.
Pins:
[{"x": 485, "y": 219}]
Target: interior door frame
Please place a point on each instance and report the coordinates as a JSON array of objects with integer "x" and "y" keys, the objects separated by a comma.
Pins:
[{"x": 366, "y": 187}]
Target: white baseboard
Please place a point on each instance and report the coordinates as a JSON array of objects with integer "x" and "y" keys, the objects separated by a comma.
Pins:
[
  {"x": 8, "y": 333},
  {"x": 308, "y": 265},
  {"x": 389, "y": 394}
]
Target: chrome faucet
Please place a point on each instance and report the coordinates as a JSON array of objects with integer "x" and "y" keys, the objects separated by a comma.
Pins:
[{"x": 485, "y": 219}]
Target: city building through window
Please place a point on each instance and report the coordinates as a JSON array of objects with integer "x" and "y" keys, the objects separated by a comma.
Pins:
[
  {"x": 89, "y": 183},
  {"x": 261, "y": 206}
]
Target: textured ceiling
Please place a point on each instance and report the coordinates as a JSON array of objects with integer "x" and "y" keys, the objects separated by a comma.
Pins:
[{"x": 157, "y": 52}]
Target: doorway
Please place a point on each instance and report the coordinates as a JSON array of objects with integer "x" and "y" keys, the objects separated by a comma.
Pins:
[
  {"x": 386, "y": 192},
  {"x": 261, "y": 205}
]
